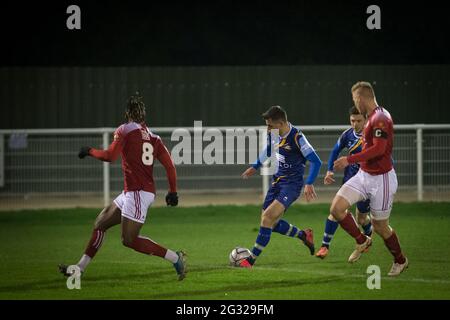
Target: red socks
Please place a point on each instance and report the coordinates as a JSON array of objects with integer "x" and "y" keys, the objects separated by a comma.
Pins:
[
  {"x": 140, "y": 244},
  {"x": 349, "y": 225},
  {"x": 393, "y": 245},
  {"x": 147, "y": 246},
  {"x": 95, "y": 242}
]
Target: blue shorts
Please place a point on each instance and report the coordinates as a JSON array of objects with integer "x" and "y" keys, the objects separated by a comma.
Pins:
[
  {"x": 348, "y": 176},
  {"x": 350, "y": 171},
  {"x": 285, "y": 192},
  {"x": 363, "y": 206}
]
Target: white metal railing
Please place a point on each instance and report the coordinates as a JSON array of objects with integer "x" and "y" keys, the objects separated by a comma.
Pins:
[
  {"x": 311, "y": 131},
  {"x": 398, "y": 127}
]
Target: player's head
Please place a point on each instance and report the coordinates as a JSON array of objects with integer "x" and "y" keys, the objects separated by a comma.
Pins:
[
  {"x": 135, "y": 109},
  {"x": 357, "y": 120},
  {"x": 363, "y": 95},
  {"x": 275, "y": 117}
]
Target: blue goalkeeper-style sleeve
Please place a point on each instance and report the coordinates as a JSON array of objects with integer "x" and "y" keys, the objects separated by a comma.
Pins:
[
  {"x": 338, "y": 147},
  {"x": 314, "y": 168},
  {"x": 264, "y": 155},
  {"x": 310, "y": 154},
  {"x": 334, "y": 155}
]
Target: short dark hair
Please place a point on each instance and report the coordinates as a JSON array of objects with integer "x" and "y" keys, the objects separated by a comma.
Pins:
[
  {"x": 353, "y": 111},
  {"x": 135, "y": 110},
  {"x": 275, "y": 113}
]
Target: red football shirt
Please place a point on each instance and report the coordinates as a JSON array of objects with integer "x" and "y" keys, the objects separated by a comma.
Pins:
[
  {"x": 139, "y": 148},
  {"x": 378, "y": 141}
]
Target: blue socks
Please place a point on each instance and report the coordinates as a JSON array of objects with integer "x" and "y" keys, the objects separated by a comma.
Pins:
[
  {"x": 261, "y": 242},
  {"x": 282, "y": 227},
  {"x": 367, "y": 229},
  {"x": 287, "y": 229},
  {"x": 330, "y": 230}
]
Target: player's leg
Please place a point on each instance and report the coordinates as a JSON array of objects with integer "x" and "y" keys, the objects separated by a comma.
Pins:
[
  {"x": 109, "y": 217},
  {"x": 381, "y": 207},
  {"x": 362, "y": 216},
  {"x": 264, "y": 232},
  {"x": 306, "y": 236},
  {"x": 132, "y": 239},
  {"x": 351, "y": 192},
  {"x": 345, "y": 219},
  {"x": 331, "y": 226},
  {"x": 289, "y": 194},
  {"x": 133, "y": 218},
  {"x": 268, "y": 218},
  {"x": 384, "y": 230}
]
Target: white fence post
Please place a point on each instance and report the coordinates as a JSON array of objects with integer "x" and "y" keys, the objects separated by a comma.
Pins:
[
  {"x": 106, "y": 173},
  {"x": 264, "y": 169},
  {"x": 266, "y": 182},
  {"x": 419, "y": 142}
]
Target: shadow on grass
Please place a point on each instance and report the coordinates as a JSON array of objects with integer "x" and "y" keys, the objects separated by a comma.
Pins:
[
  {"x": 161, "y": 276},
  {"x": 59, "y": 281},
  {"x": 248, "y": 287}
]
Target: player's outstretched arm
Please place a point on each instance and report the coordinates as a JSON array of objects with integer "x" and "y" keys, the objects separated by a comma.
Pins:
[
  {"x": 84, "y": 152},
  {"x": 328, "y": 179},
  {"x": 109, "y": 155},
  {"x": 334, "y": 154},
  {"x": 332, "y": 158},
  {"x": 248, "y": 173},
  {"x": 315, "y": 164},
  {"x": 377, "y": 149},
  {"x": 380, "y": 141},
  {"x": 171, "y": 172},
  {"x": 264, "y": 155}
]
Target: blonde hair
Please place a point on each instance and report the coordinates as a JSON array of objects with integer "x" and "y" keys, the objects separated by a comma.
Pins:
[{"x": 365, "y": 87}]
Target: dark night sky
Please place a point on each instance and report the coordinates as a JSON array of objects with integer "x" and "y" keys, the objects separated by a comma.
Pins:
[{"x": 223, "y": 33}]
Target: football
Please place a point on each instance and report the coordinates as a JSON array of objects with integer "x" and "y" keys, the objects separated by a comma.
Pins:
[{"x": 238, "y": 254}]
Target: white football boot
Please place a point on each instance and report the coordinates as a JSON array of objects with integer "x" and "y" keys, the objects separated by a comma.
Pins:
[
  {"x": 398, "y": 268},
  {"x": 360, "y": 249}
]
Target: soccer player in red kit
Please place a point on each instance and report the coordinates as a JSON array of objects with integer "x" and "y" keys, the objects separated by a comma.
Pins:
[
  {"x": 376, "y": 179},
  {"x": 139, "y": 148}
]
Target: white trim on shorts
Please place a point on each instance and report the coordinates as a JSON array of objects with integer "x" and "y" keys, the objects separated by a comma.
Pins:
[
  {"x": 379, "y": 189},
  {"x": 351, "y": 194},
  {"x": 134, "y": 204}
]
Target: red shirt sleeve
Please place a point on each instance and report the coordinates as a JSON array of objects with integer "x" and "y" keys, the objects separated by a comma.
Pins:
[
  {"x": 377, "y": 149},
  {"x": 164, "y": 157},
  {"x": 380, "y": 135},
  {"x": 113, "y": 151},
  {"x": 109, "y": 155}
]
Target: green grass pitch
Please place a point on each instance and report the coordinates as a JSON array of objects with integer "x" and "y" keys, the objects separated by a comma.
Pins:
[{"x": 32, "y": 243}]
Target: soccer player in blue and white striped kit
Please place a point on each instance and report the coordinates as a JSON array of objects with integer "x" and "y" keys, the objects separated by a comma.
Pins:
[
  {"x": 350, "y": 139},
  {"x": 287, "y": 183}
]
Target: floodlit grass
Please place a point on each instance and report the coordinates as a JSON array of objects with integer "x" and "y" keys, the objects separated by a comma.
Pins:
[{"x": 33, "y": 243}]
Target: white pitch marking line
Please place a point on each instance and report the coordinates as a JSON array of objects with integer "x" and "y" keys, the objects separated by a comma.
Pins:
[{"x": 323, "y": 273}]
